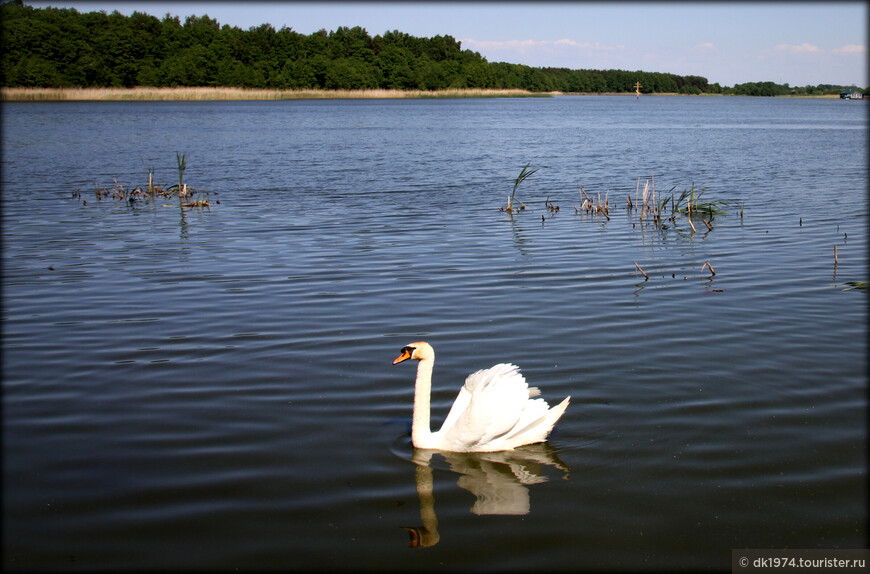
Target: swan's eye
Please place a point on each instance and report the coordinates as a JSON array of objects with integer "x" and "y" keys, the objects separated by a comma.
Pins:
[{"x": 409, "y": 350}]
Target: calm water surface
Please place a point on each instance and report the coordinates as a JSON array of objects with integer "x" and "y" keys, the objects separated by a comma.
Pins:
[{"x": 212, "y": 388}]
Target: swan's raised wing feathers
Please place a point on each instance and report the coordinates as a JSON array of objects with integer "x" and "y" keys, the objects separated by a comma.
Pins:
[
  {"x": 498, "y": 397},
  {"x": 457, "y": 410},
  {"x": 534, "y": 411},
  {"x": 494, "y": 406}
]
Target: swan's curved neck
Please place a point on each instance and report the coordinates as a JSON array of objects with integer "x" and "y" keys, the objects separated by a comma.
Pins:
[{"x": 420, "y": 431}]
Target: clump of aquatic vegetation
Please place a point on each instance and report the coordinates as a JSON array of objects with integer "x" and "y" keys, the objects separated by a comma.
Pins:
[
  {"x": 187, "y": 196},
  {"x": 663, "y": 209},
  {"x": 592, "y": 207}
]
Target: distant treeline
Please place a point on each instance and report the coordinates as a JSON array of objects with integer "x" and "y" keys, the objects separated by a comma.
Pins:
[{"x": 52, "y": 47}]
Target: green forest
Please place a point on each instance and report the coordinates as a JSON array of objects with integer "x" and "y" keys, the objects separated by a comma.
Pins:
[{"x": 56, "y": 48}]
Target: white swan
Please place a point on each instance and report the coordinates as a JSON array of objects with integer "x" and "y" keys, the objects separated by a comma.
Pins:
[{"x": 495, "y": 409}]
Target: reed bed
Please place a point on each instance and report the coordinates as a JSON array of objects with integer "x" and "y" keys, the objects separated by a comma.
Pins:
[
  {"x": 647, "y": 209},
  {"x": 664, "y": 208},
  {"x": 659, "y": 210},
  {"x": 216, "y": 94}
]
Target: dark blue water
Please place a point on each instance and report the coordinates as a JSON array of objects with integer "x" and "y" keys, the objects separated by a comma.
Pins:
[{"x": 212, "y": 388}]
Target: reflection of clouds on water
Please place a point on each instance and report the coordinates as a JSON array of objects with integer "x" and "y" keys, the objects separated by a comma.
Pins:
[{"x": 498, "y": 480}]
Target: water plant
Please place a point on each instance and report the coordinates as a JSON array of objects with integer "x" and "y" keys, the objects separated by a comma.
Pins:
[
  {"x": 182, "y": 165},
  {"x": 691, "y": 204},
  {"x": 695, "y": 206},
  {"x": 524, "y": 174},
  {"x": 859, "y": 285},
  {"x": 150, "y": 171}
]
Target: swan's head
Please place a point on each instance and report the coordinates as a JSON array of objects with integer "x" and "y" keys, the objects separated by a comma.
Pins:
[{"x": 419, "y": 351}]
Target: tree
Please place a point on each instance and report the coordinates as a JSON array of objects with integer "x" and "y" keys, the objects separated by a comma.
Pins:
[
  {"x": 432, "y": 76},
  {"x": 62, "y": 47}
]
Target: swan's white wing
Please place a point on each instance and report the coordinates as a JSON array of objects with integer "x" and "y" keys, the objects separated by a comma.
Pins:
[
  {"x": 534, "y": 410},
  {"x": 496, "y": 399},
  {"x": 457, "y": 410}
]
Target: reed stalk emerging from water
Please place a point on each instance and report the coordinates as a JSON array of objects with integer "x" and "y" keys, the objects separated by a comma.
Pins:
[
  {"x": 525, "y": 173},
  {"x": 182, "y": 165},
  {"x": 150, "y": 171},
  {"x": 645, "y": 276}
]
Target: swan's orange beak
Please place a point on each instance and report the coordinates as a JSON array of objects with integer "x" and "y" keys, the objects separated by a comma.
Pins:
[{"x": 406, "y": 354}]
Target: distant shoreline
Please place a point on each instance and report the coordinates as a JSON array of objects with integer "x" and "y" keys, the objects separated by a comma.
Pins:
[{"x": 232, "y": 94}]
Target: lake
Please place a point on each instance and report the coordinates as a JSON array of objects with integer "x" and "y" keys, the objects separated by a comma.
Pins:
[{"x": 212, "y": 388}]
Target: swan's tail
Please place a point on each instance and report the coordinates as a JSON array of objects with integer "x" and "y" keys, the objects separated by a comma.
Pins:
[
  {"x": 541, "y": 426},
  {"x": 554, "y": 414}
]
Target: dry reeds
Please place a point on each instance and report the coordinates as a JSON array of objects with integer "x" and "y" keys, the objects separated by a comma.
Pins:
[
  {"x": 551, "y": 207},
  {"x": 591, "y": 207},
  {"x": 647, "y": 203},
  {"x": 231, "y": 93},
  {"x": 642, "y": 272}
]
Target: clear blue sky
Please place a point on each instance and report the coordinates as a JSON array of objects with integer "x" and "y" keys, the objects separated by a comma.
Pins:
[{"x": 799, "y": 43}]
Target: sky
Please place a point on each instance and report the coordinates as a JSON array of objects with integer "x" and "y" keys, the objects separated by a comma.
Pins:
[{"x": 798, "y": 43}]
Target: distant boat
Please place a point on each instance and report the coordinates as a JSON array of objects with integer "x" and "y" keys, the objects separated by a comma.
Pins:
[{"x": 851, "y": 95}]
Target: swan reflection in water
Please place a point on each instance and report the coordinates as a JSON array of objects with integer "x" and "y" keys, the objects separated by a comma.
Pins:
[{"x": 498, "y": 480}]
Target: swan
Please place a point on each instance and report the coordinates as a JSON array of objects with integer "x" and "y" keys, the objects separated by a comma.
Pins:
[{"x": 494, "y": 411}]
